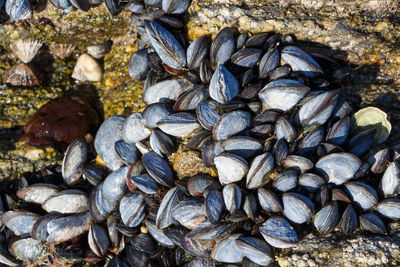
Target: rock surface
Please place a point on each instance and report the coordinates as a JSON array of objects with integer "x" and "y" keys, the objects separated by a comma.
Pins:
[{"x": 360, "y": 35}]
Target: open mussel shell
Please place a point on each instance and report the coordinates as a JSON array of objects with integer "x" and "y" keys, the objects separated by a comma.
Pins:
[
  {"x": 223, "y": 85},
  {"x": 27, "y": 249},
  {"x": 231, "y": 168},
  {"x": 372, "y": 223},
  {"x": 327, "y": 218},
  {"x": 222, "y": 47},
  {"x": 337, "y": 168},
  {"x": 166, "y": 45},
  {"x": 362, "y": 195},
  {"x": 104, "y": 142},
  {"x": 349, "y": 221},
  {"x": 98, "y": 239},
  {"x": 372, "y": 118},
  {"x": 231, "y": 123},
  {"x": 282, "y": 94},
  {"x": 170, "y": 200},
  {"x": 227, "y": 251},
  {"x": 389, "y": 208},
  {"x": 67, "y": 201},
  {"x": 300, "y": 61},
  {"x": 74, "y": 159},
  {"x": 297, "y": 208},
  {"x": 158, "y": 168},
  {"x": 232, "y": 197},
  {"x": 278, "y": 232},
  {"x": 180, "y": 124},
  {"x": 255, "y": 249},
  {"x": 60, "y": 229},
  {"x": 390, "y": 182},
  {"x": 269, "y": 201},
  {"x": 259, "y": 170},
  {"x": 19, "y": 222},
  {"x": 37, "y": 193}
]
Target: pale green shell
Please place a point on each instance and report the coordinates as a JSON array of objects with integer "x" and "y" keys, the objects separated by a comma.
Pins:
[{"x": 372, "y": 117}]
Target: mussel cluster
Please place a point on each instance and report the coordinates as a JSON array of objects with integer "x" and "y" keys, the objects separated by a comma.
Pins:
[{"x": 261, "y": 111}]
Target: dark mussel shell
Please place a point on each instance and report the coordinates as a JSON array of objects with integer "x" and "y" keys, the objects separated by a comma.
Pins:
[{"x": 166, "y": 46}]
